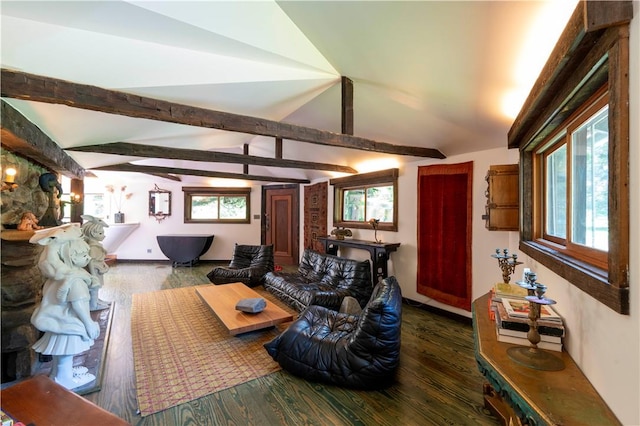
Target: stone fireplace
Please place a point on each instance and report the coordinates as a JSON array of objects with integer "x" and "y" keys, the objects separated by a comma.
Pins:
[{"x": 21, "y": 291}]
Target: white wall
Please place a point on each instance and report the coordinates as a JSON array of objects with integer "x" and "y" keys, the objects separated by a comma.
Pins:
[{"x": 144, "y": 237}]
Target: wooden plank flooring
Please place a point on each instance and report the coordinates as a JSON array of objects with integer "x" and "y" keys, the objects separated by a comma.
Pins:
[{"x": 438, "y": 382}]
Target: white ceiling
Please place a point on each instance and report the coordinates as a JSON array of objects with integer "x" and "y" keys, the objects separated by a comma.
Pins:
[{"x": 425, "y": 73}]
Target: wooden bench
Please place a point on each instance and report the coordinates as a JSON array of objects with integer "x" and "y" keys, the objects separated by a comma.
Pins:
[
  {"x": 39, "y": 400},
  {"x": 516, "y": 392}
]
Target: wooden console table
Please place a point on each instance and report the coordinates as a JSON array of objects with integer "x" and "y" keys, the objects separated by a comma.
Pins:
[
  {"x": 519, "y": 394},
  {"x": 184, "y": 250},
  {"x": 379, "y": 252},
  {"x": 41, "y": 401}
]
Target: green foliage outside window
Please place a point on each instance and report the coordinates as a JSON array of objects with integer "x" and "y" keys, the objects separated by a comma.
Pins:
[
  {"x": 217, "y": 205},
  {"x": 359, "y": 198}
]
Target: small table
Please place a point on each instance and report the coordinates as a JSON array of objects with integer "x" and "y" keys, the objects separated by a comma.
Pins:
[
  {"x": 41, "y": 401},
  {"x": 222, "y": 300},
  {"x": 184, "y": 250}
]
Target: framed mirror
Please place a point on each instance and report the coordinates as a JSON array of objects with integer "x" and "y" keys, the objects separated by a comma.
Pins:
[{"x": 159, "y": 203}]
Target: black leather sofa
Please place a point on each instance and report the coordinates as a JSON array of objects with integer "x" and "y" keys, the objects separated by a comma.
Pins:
[
  {"x": 248, "y": 265},
  {"x": 322, "y": 279},
  {"x": 357, "y": 351}
]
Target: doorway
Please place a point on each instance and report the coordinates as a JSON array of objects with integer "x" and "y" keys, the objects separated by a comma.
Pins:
[{"x": 281, "y": 222}]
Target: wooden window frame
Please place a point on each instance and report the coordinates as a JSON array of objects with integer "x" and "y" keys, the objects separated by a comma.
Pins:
[
  {"x": 379, "y": 178},
  {"x": 562, "y": 137},
  {"x": 190, "y": 191},
  {"x": 593, "y": 51}
]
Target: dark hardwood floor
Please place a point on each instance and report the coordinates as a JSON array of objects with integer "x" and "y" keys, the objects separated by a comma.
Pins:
[{"x": 438, "y": 382}]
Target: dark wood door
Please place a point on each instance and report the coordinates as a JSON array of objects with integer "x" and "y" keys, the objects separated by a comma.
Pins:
[{"x": 280, "y": 222}]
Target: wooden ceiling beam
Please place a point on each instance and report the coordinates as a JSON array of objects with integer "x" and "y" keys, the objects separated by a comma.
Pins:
[
  {"x": 154, "y": 170},
  {"x": 347, "y": 106},
  {"x": 167, "y": 176},
  {"x": 19, "y": 85},
  {"x": 152, "y": 151},
  {"x": 245, "y": 151},
  {"x": 21, "y": 136}
]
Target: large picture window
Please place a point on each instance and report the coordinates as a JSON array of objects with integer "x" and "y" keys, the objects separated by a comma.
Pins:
[
  {"x": 216, "y": 205},
  {"x": 573, "y": 139},
  {"x": 359, "y": 198}
]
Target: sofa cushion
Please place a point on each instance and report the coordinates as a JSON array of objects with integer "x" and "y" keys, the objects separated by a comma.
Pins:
[{"x": 312, "y": 265}]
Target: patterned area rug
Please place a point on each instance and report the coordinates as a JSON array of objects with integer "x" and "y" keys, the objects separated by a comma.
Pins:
[{"x": 182, "y": 352}]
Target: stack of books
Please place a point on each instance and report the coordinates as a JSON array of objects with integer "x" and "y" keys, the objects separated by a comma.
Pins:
[{"x": 510, "y": 310}]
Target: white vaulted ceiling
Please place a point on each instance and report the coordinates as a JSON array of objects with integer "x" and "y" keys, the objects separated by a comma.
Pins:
[{"x": 425, "y": 73}]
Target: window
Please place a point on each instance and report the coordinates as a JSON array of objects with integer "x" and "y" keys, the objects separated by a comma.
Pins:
[
  {"x": 573, "y": 139},
  {"x": 574, "y": 189},
  {"x": 216, "y": 205},
  {"x": 366, "y": 196}
]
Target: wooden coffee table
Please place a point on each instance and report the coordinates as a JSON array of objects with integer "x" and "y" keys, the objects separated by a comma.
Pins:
[{"x": 222, "y": 300}]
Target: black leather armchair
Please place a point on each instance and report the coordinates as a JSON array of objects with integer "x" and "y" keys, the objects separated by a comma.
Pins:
[
  {"x": 357, "y": 351},
  {"x": 248, "y": 265}
]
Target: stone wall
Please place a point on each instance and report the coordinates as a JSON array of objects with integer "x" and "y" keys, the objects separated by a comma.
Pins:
[
  {"x": 28, "y": 196},
  {"x": 21, "y": 281},
  {"x": 21, "y": 291}
]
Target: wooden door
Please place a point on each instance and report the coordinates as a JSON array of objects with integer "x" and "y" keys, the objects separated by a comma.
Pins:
[{"x": 280, "y": 222}]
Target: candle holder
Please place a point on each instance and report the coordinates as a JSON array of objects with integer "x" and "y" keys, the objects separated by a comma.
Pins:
[
  {"x": 529, "y": 283},
  {"x": 532, "y": 356},
  {"x": 374, "y": 224},
  {"x": 506, "y": 263}
]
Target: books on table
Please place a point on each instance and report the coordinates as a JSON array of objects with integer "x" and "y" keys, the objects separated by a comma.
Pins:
[
  {"x": 523, "y": 335},
  {"x": 512, "y": 324},
  {"x": 518, "y": 323},
  {"x": 512, "y": 291},
  {"x": 502, "y": 289},
  {"x": 525, "y": 342},
  {"x": 520, "y": 308}
]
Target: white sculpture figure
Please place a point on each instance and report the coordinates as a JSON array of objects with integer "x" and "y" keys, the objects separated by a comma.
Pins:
[
  {"x": 50, "y": 263},
  {"x": 93, "y": 233},
  {"x": 63, "y": 314}
]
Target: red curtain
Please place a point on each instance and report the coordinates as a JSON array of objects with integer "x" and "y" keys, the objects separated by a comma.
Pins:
[{"x": 444, "y": 233}]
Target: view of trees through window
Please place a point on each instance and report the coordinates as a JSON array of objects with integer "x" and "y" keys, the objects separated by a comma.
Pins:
[
  {"x": 362, "y": 204},
  {"x": 576, "y": 170},
  {"x": 590, "y": 182},
  {"x": 556, "y": 200},
  {"x": 218, "y": 207},
  {"x": 360, "y": 198}
]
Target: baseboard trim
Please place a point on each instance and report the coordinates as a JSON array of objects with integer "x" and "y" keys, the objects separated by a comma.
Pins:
[
  {"x": 451, "y": 315},
  {"x": 168, "y": 262}
]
